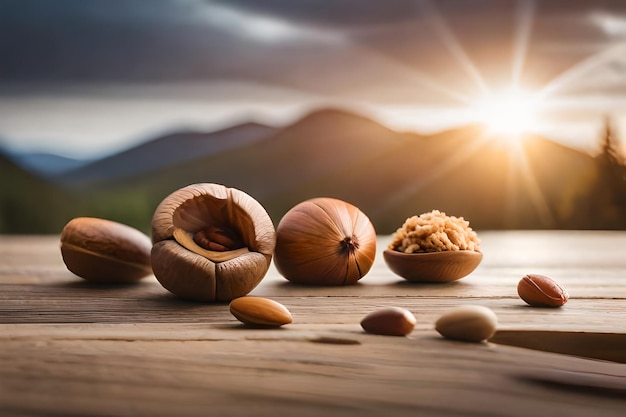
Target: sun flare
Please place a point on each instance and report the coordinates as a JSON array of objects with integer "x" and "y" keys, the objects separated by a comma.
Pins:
[{"x": 510, "y": 113}]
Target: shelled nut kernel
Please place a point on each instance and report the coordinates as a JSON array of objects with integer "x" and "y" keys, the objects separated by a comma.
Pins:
[
  {"x": 258, "y": 311},
  {"x": 389, "y": 321},
  {"x": 541, "y": 291},
  {"x": 468, "y": 323}
]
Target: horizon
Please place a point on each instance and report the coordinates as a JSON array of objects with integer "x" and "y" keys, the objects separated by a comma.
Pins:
[
  {"x": 222, "y": 124},
  {"x": 148, "y": 67}
]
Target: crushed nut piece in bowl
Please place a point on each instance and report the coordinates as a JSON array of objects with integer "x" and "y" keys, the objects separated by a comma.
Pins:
[{"x": 435, "y": 232}]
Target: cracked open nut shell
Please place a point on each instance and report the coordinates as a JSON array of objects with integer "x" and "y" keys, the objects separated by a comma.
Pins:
[{"x": 211, "y": 243}]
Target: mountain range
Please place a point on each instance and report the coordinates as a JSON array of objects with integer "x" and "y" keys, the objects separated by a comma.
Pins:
[
  {"x": 389, "y": 175},
  {"x": 164, "y": 151}
]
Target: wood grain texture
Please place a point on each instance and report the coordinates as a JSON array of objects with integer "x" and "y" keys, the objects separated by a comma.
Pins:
[{"x": 70, "y": 348}]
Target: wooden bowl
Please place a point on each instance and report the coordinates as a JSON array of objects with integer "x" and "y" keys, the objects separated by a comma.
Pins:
[{"x": 443, "y": 266}]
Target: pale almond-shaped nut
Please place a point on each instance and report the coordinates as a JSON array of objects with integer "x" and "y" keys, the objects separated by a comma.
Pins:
[
  {"x": 259, "y": 311},
  {"x": 541, "y": 291},
  {"x": 389, "y": 321},
  {"x": 468, "y": 323}
]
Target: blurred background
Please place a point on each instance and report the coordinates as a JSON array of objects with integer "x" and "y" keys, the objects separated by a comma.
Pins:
[{"x": 509, "y": 114}]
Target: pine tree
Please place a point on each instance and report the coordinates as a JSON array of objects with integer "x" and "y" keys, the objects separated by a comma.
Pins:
[
  {"x": 610, "y": 154},
  {"x": 612, "y": 177}
]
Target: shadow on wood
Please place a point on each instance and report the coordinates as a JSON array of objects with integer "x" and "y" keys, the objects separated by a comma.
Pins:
[{"x": 603, "y": 346}]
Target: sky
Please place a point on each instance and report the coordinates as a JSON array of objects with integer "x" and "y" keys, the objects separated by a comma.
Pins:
[{"x": 85, "y": 78}]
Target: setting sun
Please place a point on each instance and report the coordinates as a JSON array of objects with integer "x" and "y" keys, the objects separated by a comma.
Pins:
[{"x": 509, "y": 113}]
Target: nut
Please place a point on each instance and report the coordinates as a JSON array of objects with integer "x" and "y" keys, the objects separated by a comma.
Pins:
[
  {"x": 468, "y": 323},
  {"x": 324, "y": 241},
  {"x": 218, "y": 254},
  {"x": 260, "y": 312},
  {"x": 214, "y": 215},
  {"x": 434, "y": 232},
  {"x": 218, "y": 238},
  {"x": 389, "y": 321},
  {"x": 105, "y": 251},
  {"x": 541, "y": 291}
]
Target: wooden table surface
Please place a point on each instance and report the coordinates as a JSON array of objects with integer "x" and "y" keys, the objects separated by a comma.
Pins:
[{"x": 74, "y": 349}]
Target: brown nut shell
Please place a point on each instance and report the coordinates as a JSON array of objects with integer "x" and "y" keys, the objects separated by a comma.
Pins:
[
  {"x": 193, "y": 276},
  {"x": 259, "y": 311},
  {"x": 389, "y": 321},
  {"x": 105, "y": 251},
  {"x": 324, "y": 241},
  {"x": 541, "y": 291}
]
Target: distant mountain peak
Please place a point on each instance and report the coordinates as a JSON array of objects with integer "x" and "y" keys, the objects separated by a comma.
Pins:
[
  {"x": 333, "y": 118},
  {"x": 337, "y": 113}
]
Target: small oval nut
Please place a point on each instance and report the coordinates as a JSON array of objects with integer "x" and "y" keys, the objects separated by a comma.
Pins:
[
  {"x": 541, "y": 291},
  {"x": 469, "y": 323},
  {"x": 260, "y": 312},
  {"x": 104, "y": 251},
  {"x": 389, "y": 321}
]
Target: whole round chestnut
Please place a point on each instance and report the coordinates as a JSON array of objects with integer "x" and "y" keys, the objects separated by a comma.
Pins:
[
  {"x": 104, "y": 251},
  {"x": 211, "y": 243},
  {"x": 324, "y": 241}
]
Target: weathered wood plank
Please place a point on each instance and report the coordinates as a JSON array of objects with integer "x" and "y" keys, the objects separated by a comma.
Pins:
[
  {"x": 71, "y": 348},
  {"x": 230, "y": 372},
  {"x": 158, "y": 307}
]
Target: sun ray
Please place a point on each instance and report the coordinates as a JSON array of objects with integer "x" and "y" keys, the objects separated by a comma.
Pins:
[
  {"x": 452, "y": 44},
  {"x": 269, "y": 29},
  {"x": 413, "y": 73},
  {"x": 467, "y": 151},
  {"x": 379, "y": 58},
  {"x": 523, "y": 29},
  {"x": 521, "y": 182},
  {"x": 582, "y": 67},
  {"x": 520, "y": 177}
]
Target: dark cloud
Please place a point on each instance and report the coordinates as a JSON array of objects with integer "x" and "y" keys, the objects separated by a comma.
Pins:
[
  {"x": 342, "y": 14},
  {"x": 359, "y": 12},
  {"x": 391, "y": 49},
  {"x": 105, "y": 40}
]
